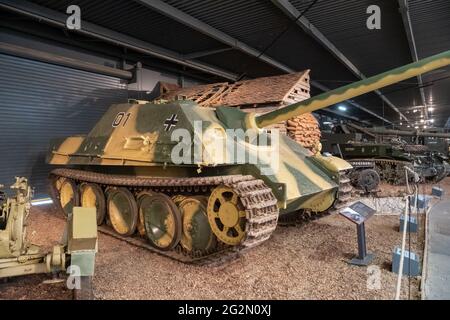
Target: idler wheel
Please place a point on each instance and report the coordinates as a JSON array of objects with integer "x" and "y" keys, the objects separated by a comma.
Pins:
[
  {"x": 197, "y": 234},
  {"x": 122, "y": 211},
  {"x": 162, "y": 220},
  {"x": 92, "y": 196},
  {"x": 226, "y": 215},
  {"x": 68, "y": 196}
]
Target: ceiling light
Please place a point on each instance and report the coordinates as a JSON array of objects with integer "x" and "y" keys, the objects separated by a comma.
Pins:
[
  {"x": 431, "y": 120},
  {"x": 415, "y": 110},
  {"x": 422, "y": 121},
  {"x": 421, "y": 115},
  {"x": 401, "y": 123},
  {"x": 342, "y": 108},
  {"x": 416, "y": 127},
  {"x": 424, "y": 127},
  {"x": 430, "y": 109}
]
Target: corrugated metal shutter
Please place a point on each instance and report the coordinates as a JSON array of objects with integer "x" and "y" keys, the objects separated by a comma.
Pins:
[{"x": 41, "y": 101}]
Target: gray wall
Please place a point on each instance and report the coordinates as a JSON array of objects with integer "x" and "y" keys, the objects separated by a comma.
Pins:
[{"x": 41, "y": 101}]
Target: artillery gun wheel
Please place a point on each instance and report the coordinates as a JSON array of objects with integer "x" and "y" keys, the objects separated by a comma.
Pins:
[
  {"x": 196, "y": 234},
  {"x": 91, "y": 195},
  {"x": 226, "y": 215},
  {"x": 86, "y": 291},
  {"x": 68, "y": 196},
  {"x": 162, "y": 220},
  {"x": 122, "y": 210}
]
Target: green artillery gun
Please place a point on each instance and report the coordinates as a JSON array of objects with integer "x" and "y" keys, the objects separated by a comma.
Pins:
[{"x": 18, "y": 257}]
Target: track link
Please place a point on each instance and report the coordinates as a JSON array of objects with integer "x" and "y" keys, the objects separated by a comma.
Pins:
[{"x": 258, "y": 200}]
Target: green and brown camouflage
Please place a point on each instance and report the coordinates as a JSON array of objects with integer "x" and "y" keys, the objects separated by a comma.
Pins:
[
  {"x": 352, "y": 90},
  {"x": 136, "y": 139}
]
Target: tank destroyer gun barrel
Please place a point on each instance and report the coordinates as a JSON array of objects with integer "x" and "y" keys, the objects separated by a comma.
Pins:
[{"x": 349, "y": 91}]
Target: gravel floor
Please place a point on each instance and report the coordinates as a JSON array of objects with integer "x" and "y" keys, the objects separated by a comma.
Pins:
[{"x": 302, "y": 262}]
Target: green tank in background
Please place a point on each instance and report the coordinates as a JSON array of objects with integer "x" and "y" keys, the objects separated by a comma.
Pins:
[
  {"x": 435, "y": 139},
  {"x": 128, "y": 168},
  {"x": 382, "y": 151},
  {"x": 18, "y": 257}
]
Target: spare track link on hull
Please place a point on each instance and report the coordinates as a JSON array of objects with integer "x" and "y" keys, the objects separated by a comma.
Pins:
[
  {"x": 258, "y": 200},
  {"x": 396, "y": 178},
  {"x": 344, "y": 193},
  {"x": 302, "y": 216}
]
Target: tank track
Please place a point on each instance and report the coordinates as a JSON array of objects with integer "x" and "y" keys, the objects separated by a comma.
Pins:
[
  {"x": 258, "y": 200},
  {"x": 390, "y": 171},
  {"x": 302, "y": 216}
]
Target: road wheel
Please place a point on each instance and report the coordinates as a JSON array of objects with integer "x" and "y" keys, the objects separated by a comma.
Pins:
[
  {"x": 197, "y": 234},
  {"x": 122, "y": 211},
  {"x": 368, "y": 180},
  {"x": 68, "y": 196},
  {"x": 91, "y": 195},
  {"x": 162, "y": 220}
]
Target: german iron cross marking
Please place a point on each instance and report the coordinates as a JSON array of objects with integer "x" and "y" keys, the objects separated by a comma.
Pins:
[{"x": 170, "y": 122}]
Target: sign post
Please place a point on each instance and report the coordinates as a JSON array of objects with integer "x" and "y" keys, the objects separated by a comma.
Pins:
[{"x": 359, "y": 213}]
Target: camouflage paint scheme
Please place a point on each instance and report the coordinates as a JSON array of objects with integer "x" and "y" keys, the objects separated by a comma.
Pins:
[
  {"x": 140, "y": 145},
  {"x": 355, "y": 89}
]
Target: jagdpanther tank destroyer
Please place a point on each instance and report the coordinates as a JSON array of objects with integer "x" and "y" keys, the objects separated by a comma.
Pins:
[{"x": 151, "y": 170}]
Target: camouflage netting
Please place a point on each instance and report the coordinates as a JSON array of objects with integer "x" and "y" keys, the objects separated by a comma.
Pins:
[
  {"x": 305, "y": 130},
  {"x": 259, "y": 95}
]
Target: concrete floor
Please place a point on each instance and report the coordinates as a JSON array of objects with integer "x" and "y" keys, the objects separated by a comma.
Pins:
[{"x": 437, "y": 271}]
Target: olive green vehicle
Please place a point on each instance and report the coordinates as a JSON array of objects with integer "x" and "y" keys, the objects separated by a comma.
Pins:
[
  {"x": 125, "y": 167},
  {"x": 385, "y": 158}
]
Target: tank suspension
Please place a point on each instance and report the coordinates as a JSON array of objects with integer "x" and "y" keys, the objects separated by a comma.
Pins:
[{"x": 136, "y": 203}]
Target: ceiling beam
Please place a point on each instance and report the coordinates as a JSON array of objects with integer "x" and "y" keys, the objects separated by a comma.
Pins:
[
  {"x": 89, "y": 29},
  {"x": 200, "y": 26},
  {"x": 199, "y": 54},
  {"x": 58, "y": 19},
  {"x": 206, "y": 29},
  {"x": 310, "y": 29},
  {"x": 404, "y": 10}
]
